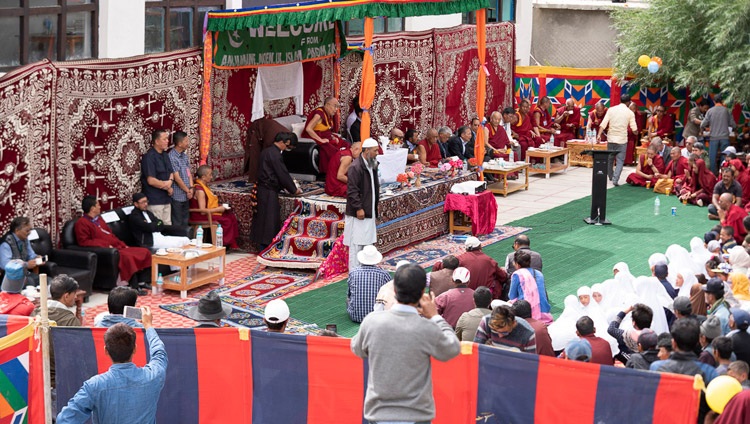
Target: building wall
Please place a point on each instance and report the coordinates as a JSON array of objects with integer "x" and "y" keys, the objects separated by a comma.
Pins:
[{"x": 572, "y": 38}]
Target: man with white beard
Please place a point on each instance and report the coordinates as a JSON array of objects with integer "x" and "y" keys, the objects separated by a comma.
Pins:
[{"x": 362, "y": 196}]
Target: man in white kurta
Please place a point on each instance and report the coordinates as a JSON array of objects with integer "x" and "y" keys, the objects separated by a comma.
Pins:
[{"x": 362, "y": 197}]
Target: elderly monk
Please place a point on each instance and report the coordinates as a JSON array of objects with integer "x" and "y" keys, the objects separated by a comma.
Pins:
[
  {"x": 496, "y": 139},
  {"x": 595, "y": 118},
  {"x": 732, "y": 215},
  {"x": 322, "y": 127},
  {"x": 650, "y": 165},
  {"x": 699, "y": 182},
  {"x": 429, "y": 149},
  {"x": 524, "y": 128},
  {"x": 204, "y": 198},
  {"x": 660, "y": 124},
  {"x": 336, "y": 178},
  {"x": 544, "y": 125},
  {"x": 92, "y": 231},
  {"x": 569, "y": 119},
  {"x": 676, "y": 168}
]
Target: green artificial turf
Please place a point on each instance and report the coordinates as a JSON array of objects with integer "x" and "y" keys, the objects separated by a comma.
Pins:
[{"x": 573, "y": 252}]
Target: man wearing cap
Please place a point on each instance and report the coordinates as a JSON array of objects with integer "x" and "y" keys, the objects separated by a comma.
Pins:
[
  {"x": 710, "y": 329},
  {"x": 484, "y": 270},
  {"x": 276, "y": 316},
  {"x": 272, "y": 178},
  {"x": 147, "y": 228},
  {"x": 683, "y": 309},
  {"x": 399, "y": 346},
  {"x": 647, "y": 351},
  {"x": 454, "y": 302},
  {"x": 660, "y": 272},
  {"x": 717, "y": 306},
  {"x": 362, "y": 196},
  {"x": 466, "y": 326},
  {"x": 15, "y": 244},
  {"x": 209, "y": 311},
  {"x": 12, "y": 302},
  {"x": 578, "y": 350},
  {"x": 739, "y": 321},
  {"x": 125, "y": 393},
  {"x": 364, "y": 283},
  {"x": 727, "y": 185}
]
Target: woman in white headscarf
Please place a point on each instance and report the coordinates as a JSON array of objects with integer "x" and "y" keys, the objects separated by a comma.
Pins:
[
  {"x": 563, "y": 329},
  {"x": 650, "y": 292},
  {"x": 739, "y": 259},
  {"x": 590, "y": 308},
  {"x": 656, "y": 259},
  {"x": 679, "y": 259},
  {"x": 623, "y": 278},
  {"x": 699, "y": 254},
  {"x": 609, "y": 303},
  {"x": 685, "y": 281}
]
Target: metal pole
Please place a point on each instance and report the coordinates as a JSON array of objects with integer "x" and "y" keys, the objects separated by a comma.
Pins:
[{"x": 44, "y": 327}]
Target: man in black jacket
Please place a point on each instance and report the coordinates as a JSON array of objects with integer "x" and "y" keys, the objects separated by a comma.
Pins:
[
  {"x": 362, "y": 196},
  {"x": 461, "y": 145},
  {"x": 147, "y": 228}
]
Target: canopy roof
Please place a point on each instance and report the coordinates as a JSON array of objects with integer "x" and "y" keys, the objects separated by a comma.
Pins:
[{"x": 312, "y": 11}]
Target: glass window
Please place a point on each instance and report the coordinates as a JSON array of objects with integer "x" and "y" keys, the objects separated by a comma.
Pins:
[
  {"x": 356, "y": 27},
  {"x": 78, "y": 35},
  {"x": 180, "y": 28},
  {"x": 42, "y": 3},
  {"x": 10, "y": 3},
  {"x": 10, "y": 50},
  {"x": 42, "y": 37},
  {"x": 395, "y": 24},
  {"x": 155, "y": 29}
]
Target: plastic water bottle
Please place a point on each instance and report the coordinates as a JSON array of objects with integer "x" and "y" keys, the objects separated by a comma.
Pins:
[
  {"x": 199, "y": 235},
  {"x": 219, "y": 236},
  {"x": 510, "y": 157},
  {"x": 551, "y": 139},
  {"x": 159, "y": 287},
  {"x": 657, "y": 204}
]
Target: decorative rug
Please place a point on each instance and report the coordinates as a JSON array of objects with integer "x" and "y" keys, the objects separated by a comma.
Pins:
[{"x": 264, "y": 286}]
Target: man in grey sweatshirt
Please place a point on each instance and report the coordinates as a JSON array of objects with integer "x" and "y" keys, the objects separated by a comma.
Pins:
[
  {"x": 721, "y": 123},
  {"x": 399, "y": 344}
]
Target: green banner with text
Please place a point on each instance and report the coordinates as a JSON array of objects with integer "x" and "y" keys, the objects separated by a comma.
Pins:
[{"x": 274, "y": 45}]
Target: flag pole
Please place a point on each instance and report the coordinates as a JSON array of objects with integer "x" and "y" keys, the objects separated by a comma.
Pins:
[{"x": 44, "y": 326}]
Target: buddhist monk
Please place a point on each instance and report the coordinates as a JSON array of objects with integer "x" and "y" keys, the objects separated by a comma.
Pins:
[
  {"x": 569, "y": 119},
  {"x": 336, "y": 178},
  {"x": 650, "y": 165},
  {"x": 544, "y": 125},
  {"x": 524, "y": 128},
  {"x": 322, "y": 127},
  {"x": 660, "y": 124},
  {"x": 429, "y": 149},
  {"x": 595, "y": 118}
]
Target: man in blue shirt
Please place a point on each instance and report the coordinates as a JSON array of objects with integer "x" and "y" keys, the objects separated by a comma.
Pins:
[
  {"x": 364, "y": 283},
  {"x": 157, "y": 177},
  {"x": 125, "y": 393},
  {"x": 15, "y": 244}
]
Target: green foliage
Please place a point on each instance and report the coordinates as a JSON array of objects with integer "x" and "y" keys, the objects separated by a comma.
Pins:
[{"x": 702, "y": 43}]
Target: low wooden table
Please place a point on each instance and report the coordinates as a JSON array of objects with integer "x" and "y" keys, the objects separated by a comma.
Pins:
[
  {"x": 547, "y": 155},
  {"x": 505, "y": 187},
  {"x": 576, "y": 147},
  {"x": 194, "y": 272},
  {"x": 640, "y": 150}
]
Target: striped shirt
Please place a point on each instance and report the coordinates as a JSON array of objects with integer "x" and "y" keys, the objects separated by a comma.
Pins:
[
  {"x": 521, "y": 337},
  {"x": 181, "y": 165}
]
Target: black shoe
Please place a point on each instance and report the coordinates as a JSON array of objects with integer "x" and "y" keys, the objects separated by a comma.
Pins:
[{"x": 142, "y": 292}]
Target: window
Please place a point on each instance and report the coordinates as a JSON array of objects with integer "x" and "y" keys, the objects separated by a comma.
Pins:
[
  {"x": 176, "y": 24},
  {"x": 356, "y": 27},
  {"x": 501, "y": 11},
  {"x": 33, "y": 30}
]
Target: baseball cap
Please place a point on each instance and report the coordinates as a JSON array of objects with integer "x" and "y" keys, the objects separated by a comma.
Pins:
[
  {"x": 276, "y": 311},
  {"x": 15, "y": 276},
  {"x": 714, "y": 285},
  {"x": 578, "y": 350},
  {"x": 461, "y": 274},
  {"x": 648, "y": 339},
  {"x": 661, "y": 271},
  {"x": 682, "y": 304},
  {"x": 741, "y": 317},
  {"x": 711, "y": 327},
  {"x": 730, "y": 149},
  {"x": 472, "y": 242}
]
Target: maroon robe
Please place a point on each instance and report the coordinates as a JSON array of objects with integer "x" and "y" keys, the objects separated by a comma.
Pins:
[
  {"x": 230, "y": 227},
  {"x": 524, "y": 129},
  {"x": 545, "y": 122},
  {"x": 664, "y": 127},
  {"x": 595, "y": 120},
  {"x": 96, "y": 233},
  {"x": 568, "y": 126},
  {"x": 484, "y": 272},
  {"x": 701, "y": 182},
  {"x": 334, "y": 187},
  {"x": 498, "y": 138},
  {"x": 636, "y": 179},
  {"x": 335, "y": 142},
  {"x": 433, "y": 153},
  {"x": 677, "y": 170},
  {"x": 733, "y": 218}
]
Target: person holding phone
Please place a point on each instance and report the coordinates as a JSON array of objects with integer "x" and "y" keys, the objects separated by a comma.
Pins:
[
  {"x": 119, "y": 298},
  {"x": 399, "y": 345},
  {"x": 125, "y": 393}
]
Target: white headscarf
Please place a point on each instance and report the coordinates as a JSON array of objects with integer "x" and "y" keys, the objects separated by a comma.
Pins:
[
  {"x": 649, "y": 291},
  {"x": 688, "y": 281},
  {"x": 623, "y": 278},
  {"x": 699, "y": 254},
  {"x": 597, "y": 314},
  {"x": 563, "y": 329},
  {"x": 739, "y": 259},
  {"x": 656, "y": 259},
  {"x": 679, "y": 259}
]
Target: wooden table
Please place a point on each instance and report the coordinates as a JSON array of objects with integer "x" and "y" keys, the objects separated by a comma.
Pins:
[
  {"x": 504, "y": 187},
  {"x": 194, "y": 272},
  {"x": 640, "y": 150},
  {"x": 547, "y": 155},
  {"x": 576, "y": 147}
]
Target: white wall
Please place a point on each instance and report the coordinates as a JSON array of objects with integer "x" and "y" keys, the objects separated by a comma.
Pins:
[
  {"x": 122, "y": 26},
  {"x": 423, "y": 23},
  {"x": 524, "y": 19}
]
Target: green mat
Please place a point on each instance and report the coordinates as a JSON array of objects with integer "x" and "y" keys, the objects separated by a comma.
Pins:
[{"x": 574, "y": 253}]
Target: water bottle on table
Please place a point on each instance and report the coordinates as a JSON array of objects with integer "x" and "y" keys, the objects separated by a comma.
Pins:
[
  {"x": 219, "y": 236},
  {"x": 158, "y": 289},
  {"x": 199, "y": 236}
]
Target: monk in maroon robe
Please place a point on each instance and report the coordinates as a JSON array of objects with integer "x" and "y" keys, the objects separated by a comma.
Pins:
[
  {"x": 495, "y": 136},
  {"x": 336, "y": 179},
  {"x": 569, "y": 120},
  {"x": 524, "y": 128},
  {"x": 732, "y": 215},
  {"x": 699, "y": 183},
  {"x": 92, "y": 231},
  {"x": 650, "y": 165},
  {"x": 595, "y": 119},
  {"x": 676, "y": 168},
  {"x": 322, "y": 127},
  {"x": 660, "y": 125},
  {"x": 429, "y": 149},
  {"x": 544, "y": 125}
]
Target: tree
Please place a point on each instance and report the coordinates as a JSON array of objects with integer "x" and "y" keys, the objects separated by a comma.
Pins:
[{"x": 702, "y": 44}]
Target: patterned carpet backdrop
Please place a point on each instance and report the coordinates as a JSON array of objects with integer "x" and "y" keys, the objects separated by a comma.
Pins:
[{"x": 589, "y": 86}]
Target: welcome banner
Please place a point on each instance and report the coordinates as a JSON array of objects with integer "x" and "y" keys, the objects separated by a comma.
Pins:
[{"x": 274, "y": 45}]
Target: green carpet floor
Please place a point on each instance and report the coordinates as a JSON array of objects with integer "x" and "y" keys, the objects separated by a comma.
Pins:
[{"x": 574, "y": 253}]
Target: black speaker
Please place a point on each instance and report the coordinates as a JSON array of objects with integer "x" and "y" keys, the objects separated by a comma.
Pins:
[{"x": 303, "y": 159}]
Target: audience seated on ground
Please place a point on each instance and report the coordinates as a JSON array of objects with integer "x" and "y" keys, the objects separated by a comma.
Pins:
[
  {"x": 578, "y": 350},
  {"x": 364, "y": 283},
  {"x": 118, "y": 299},
  {"x": 387, "y": 294},
  {"x": 648, "y": 352},
  {"x": 209, "y": 311},
  {"x": 528, "y": 283},
  {"x": 484, "y": 270},
  {"x": 504, "y": 330},
  {"x": 601, "y": 353},
  {"x": 441, "y": 280},
  {"x": 453, "y": 303},
  {"x": 650, "y": 166},
  {"x": 276, "y": 316},
  {"x": 522, "y": 309},
  {"x": 466, "y": 327}
]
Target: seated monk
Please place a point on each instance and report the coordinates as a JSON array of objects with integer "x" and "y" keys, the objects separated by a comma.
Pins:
[
  {"x": 204, "y": 198},
  {"x": 731, "y": 215},
  {"x": 495, "y": 136},
  {"x": 524, "y": 129},
  {"x": 699, "y": 183},
  {"x": 569, "y": 119},
  {"x": 336, "y": 179},
  {"x": 676, "y": 169},
  {"x": 429, "y": 149},
  {"x": 544, "y": 125},
  {"x": 92, "y": 231},
  {"x": 595, "y": 119},
  {"x": 660, "y": 124},
  {"x": 322, "y": 127},
  {"x": 650, "y": 165}
]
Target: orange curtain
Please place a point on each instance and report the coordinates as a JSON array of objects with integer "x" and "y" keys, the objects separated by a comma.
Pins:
[
  {"x": 206, "y": 107},
  {"x": 481, "y": 85},
  {"x": 367, "y": 90}
]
